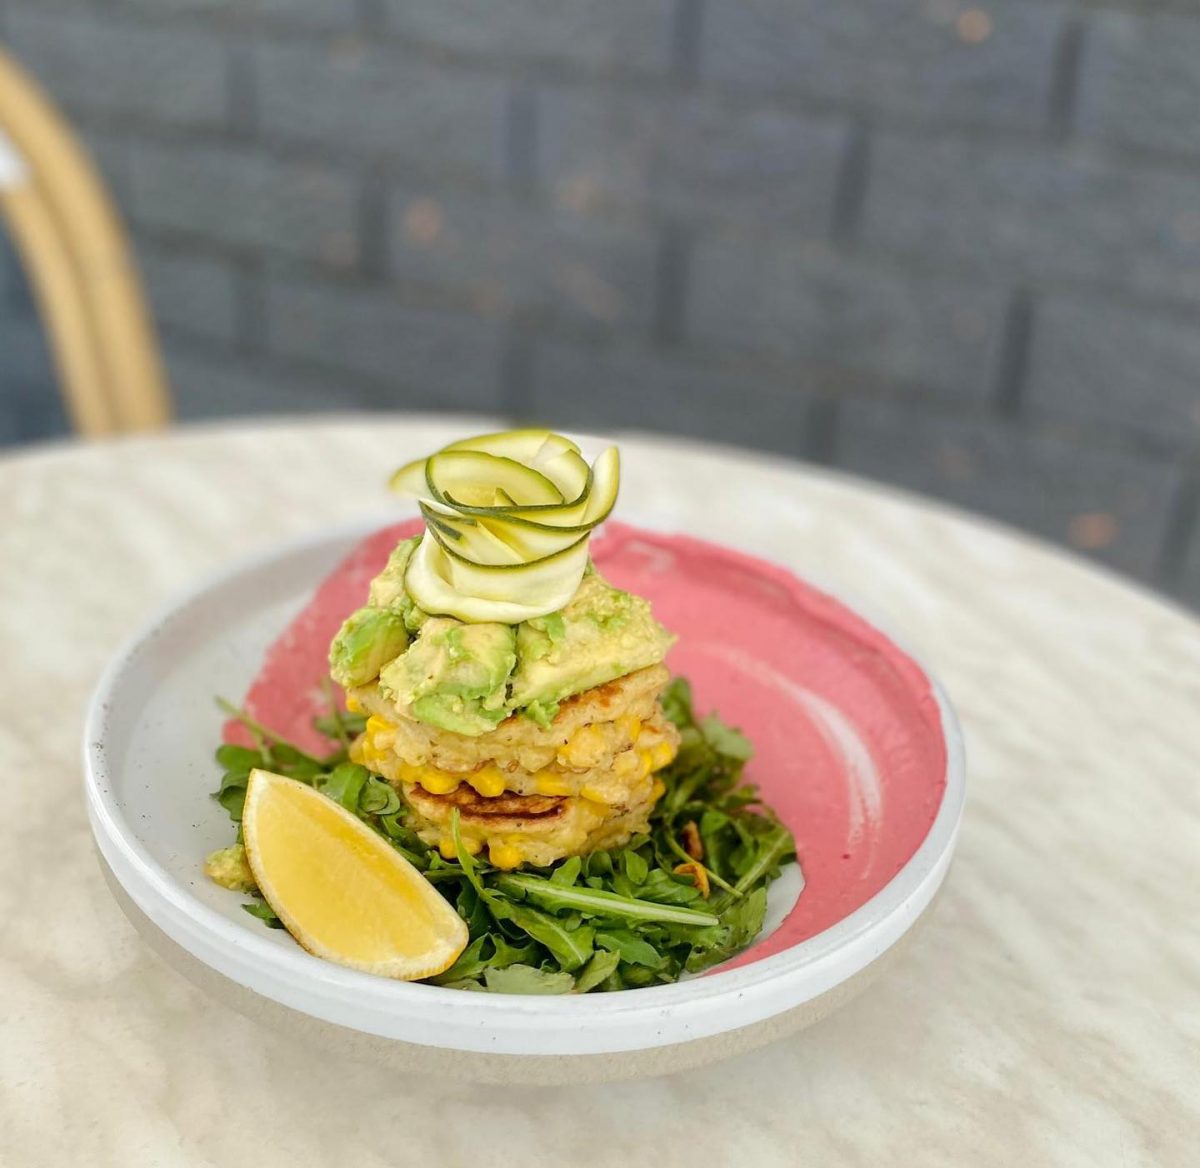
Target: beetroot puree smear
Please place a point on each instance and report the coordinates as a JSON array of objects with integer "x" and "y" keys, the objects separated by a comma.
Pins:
[{"x": 847, "y": 733}]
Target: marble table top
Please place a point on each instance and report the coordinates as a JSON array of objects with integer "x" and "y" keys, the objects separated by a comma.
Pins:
[{"x": 1048, "y": 1014}]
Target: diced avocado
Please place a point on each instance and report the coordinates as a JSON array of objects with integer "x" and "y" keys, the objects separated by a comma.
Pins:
[
  {"x": 366, "y": 642},
  {"x": 388, "y": 591},
  {"x": 601, "y": 634},
  {"x": 229, "y": 868},
  {"x": 454, "y": 675}
]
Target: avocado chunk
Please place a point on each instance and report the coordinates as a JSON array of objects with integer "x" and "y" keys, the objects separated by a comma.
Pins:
[
  {"x": 454, "y": 675},
  {"x": 366, "y": 642},
  {"x": 601, "y": 634},
  {"x": 388, "y": 591},
  {"x": 229, "y": 868}
]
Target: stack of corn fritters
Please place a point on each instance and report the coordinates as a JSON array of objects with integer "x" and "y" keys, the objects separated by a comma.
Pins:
[{"x": 530, "y": 794}]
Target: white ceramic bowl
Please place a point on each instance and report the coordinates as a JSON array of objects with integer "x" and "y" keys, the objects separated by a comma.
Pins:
[{"x": 150, "y": 734}]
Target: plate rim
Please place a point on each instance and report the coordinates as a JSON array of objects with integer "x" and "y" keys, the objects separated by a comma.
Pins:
[{"x": 630, "y": 1020}]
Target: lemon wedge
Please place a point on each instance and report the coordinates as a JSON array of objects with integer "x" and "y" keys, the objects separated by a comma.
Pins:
[{"x": 342, "y": 891}]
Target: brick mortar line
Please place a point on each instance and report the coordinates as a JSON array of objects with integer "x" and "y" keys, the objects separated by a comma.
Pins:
[
  {"x": 516, "y": 369},
  {"x": 250, "y": 303},
  {"x": 1012, "y": 360},
  {"x": 370, "y": 10},
  {"x": 1067, "y": 76},
  {"x": 671, "y": 268},
  {"x": 687, "y": 28},
  {"x": 1182, "y": 526},
  {"x": 241, "y": 94},
  {"x": 821, "y": 430},
  {"x": 522, "y": 138},
  {"x": 371, "y": 17},
  {"x": 1180, "y": 309},
  {"x": 373, "y": 228},
  {"x": 850, "y": 186}
]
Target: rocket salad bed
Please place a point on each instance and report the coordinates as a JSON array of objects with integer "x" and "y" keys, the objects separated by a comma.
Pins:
[{"x": 688, "y": 894}]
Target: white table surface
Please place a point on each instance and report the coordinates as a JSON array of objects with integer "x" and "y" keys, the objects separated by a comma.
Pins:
[{"x": 1049, "y": 1014}]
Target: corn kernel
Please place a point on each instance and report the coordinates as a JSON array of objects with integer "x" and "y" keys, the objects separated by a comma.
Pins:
[
  {"x": 438, "y": 782},
  {"x": 658, "y": 789},
  {"x": 489, "y": 781},
  {"x": 626, "y": 763},
  {"x": 504, "y": 855},
  {"x": 661, "y": 753},
  {"x": 353, "y": 705},
  {"x": 631, "y": 725},
  {"x": 378, "y": 725},
  {"x": 584, "y": 750},
  {"x": 550, "y": 783},
  {"x": 446, "y": 847},
  {"x": 645, "y": 763},
  {"x": 595, "y": 794}
]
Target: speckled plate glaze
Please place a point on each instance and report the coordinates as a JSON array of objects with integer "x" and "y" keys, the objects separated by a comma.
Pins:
[{"x": 856, "y": 747}]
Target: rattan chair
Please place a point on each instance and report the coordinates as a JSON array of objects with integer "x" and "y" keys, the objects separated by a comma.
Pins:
[{"x": 72, "y": 245}]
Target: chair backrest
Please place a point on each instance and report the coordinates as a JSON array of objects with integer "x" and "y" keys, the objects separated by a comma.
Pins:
[{"x": 79, "y": 264}]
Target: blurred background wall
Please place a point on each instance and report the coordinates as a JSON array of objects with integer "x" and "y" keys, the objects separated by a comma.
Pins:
[{"x": 951, "y": 244}]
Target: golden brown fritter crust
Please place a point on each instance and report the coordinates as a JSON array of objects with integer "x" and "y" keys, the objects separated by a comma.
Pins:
[
  {"x": 496, "y": 810},
  {"x": 519, "y": 743}
]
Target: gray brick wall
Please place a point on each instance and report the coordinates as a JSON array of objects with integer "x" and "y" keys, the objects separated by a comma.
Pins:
[
  {"x": 348, "y": 96},
  {"x": 590, "y": 270},
  {"x": 1132, "y": 369},
  {"x": 587, "y": 387},
  {"x": 1022, "y": 212},
  {"x": 689, "y": 155},
  {"x": 114, "y": 67},
  {"x": 895, "y": 55},
  {"x": 952, "y": 244},
  {"x": 239, "y": 198},
  {"x": 1100, "y": 500},
  {"x": 809, "y": 305},
  {"x": 430, "y": 355},
  {"x": 1141, "y": 84},
  {"x": 618, "y": 35}
]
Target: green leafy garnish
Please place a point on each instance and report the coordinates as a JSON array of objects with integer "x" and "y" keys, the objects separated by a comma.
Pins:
[{"x": 688, "y": 894}]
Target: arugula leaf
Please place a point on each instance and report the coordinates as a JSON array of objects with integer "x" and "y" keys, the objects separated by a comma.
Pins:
[
  {"x": 594, "y": 902},
  {"x": 567, "y": 872},
  {"x": 629, "y": 947},
  {"x": 602, "y": 965},
  {"x": 526, "y": 979},
  {"x": 352, "y": 724},
  {"x": 378, "y": 797},
  {"x": 344, "y": 784},
  {"x": 725, "y": 740},
  {"x": 569, "y": 947},
  {"x": 636, "y": 868},
  {"x": 238, "y": 758},
  {"x": 776, "y": 847},
  {"x": 232, "y": 793},
  {"x": 265, "y": 913},
  {"x": 471, "y": 963}
]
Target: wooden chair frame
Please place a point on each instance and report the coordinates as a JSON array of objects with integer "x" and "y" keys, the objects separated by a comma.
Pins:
[{"x": 70, "y": 240}]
